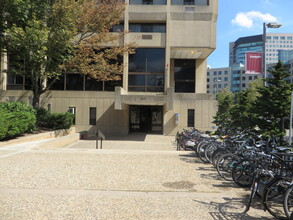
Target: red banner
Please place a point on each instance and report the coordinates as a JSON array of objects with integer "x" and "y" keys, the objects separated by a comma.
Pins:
[{"x": 253, "y": 63}]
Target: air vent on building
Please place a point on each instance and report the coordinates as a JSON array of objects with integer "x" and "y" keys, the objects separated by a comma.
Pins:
[
  {"x": 187, "y": 9},
  {"x": 147, "y": 37}
]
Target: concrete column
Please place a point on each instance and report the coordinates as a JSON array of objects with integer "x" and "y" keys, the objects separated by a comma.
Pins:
[
  {"x": 126, "y": 41},
  {"x": 167, "y": 47},
  {"x": 201, "y": 76},
  {"x": 3, "y": 70}
]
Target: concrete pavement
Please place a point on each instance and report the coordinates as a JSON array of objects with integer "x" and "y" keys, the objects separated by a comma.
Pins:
[{"x": 133, "y": 177}]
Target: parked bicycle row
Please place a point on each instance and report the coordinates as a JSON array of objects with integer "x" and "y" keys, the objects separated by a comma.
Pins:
[{"x": 251, "y": 161}]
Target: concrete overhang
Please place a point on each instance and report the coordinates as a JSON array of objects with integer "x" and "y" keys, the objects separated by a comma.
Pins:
[
  {"x": 190, "y": 53},
  {"x": 124, "y": 98}
]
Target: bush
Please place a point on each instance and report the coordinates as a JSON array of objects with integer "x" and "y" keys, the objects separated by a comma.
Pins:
[
  {"x": 50, "y": 120},
  {"x": 16, "y": 119},
  {"x": 42, "y": 118},
  {"x": 4, "y": 123}
]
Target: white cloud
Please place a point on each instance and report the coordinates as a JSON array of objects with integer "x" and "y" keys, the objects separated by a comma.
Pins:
[{"x": 249, "y": 19}]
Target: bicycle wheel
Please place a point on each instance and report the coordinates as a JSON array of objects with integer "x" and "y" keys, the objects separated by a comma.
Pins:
[
  {"x": 225, "y": 165},
  {"x": 288, "y": 201},
  {"x": 215, "y": 157},
  {"x": 242, "y": 173},
  {"x": 209, "y": 152},
  {"x": 201, "y": 152},
  {"x": 273, "y": 198},
  {"x": 197, "y": 149},
  {"x": 252, "y": 194}
]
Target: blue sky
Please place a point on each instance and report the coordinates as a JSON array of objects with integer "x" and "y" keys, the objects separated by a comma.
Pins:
[{"x": 241, "y": 18}]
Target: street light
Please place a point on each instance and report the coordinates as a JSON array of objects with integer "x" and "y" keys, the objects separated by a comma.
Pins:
[{"x": 264, "y": 36}]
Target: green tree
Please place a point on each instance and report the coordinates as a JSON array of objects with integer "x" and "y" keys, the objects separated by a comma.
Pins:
[
  {"x": 273, "y": 102},
  {"x": 44, "y": 38},
  {"x": 223, "y": 116},
  {"x": 38, "y": 35},
  {"x": 242, "y": 118},
  {"x": 98, "y": 53}
]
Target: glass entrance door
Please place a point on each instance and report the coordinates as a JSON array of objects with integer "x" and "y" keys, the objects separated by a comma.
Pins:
[{"x": 147, "y": 119}]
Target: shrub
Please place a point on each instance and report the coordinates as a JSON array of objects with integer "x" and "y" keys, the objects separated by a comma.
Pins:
[
  {"x": 50, "y": 120},
  {"x": 42, "y": 118},
  {"x": 4, "y": 123},
  {"x": 16, "y": 119}
]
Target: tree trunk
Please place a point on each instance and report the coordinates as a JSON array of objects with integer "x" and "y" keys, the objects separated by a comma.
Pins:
[{"x": 36, "y": 99}]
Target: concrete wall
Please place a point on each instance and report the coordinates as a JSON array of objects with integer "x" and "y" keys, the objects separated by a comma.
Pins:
[
  {"x": 111, "y": 121},
  {"x": 108, "y": 119},
  {"x": 204, "y": 106}
]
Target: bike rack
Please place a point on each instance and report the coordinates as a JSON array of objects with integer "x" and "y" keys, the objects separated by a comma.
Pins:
[{"x": 100, "y": 136}]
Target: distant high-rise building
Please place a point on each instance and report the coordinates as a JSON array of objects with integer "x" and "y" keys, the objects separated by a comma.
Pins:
[
  {"x": 218, "y": 79},
  {"x": 278, "y": 46},
  {"x": 274, "y": 43},
  {"x": 285, "y": 55}
]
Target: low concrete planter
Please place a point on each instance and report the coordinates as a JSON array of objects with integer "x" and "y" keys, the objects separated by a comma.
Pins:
[{"x": 46, "y": 135}]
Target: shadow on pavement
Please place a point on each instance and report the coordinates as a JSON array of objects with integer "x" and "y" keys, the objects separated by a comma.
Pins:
[
  {"x": 128, "y": 137},
  {"x": 190, "y": 157},
  {"x": 232, "y": 209}
]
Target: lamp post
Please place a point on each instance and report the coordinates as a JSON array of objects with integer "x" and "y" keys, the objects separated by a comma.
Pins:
[
  {"x": 264, "y": 38},
  {"x": 290, "y": 129}
]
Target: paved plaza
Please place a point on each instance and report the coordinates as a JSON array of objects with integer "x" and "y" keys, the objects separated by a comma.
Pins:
[{"x": 132, "y": 177}]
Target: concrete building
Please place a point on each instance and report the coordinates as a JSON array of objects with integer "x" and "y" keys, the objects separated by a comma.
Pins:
[
  {"x": 239, "y": 79},
  {"x": 285, "y": 55},
  {"x": 218, "y": 79},
  {"x": 164, "y": 83},
  {"x": 274, "y": 42},
  {"x": 233, "y": 78}
]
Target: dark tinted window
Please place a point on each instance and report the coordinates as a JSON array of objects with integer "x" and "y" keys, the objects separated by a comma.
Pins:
[
  {"x": 93, "y": 115},
  {"x": 147, "y": 60},
  {"x": 190, "y": 118},
  {"x": 146, "y": 70},
  {"x": 184, "y": 76},
  {"x": 58, "y": 83},
  {"x": 93, "y": 84},
  {"x": 74, "y": 82},
  {"x": 145, "y": 27}
]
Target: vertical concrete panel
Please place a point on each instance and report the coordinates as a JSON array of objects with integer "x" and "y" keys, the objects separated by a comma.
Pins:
[
  {"x": 100, "y": 110},
  {"x": 172, "y": 84},
  {"x": 58, "y": 105},
  {"x": 198, "y": 114},
  {"x": 183, "y": 113},
  {"x": 205, "y": 114},
  {"x": 201, "y": 77}
]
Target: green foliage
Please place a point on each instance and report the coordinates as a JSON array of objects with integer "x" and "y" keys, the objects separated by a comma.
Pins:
[
  {"x": 39, "y": 36},
  {"x": 16, "y": 119},
  {"x": 259, "y": 108},
  {"x": 274, "y": 102},
  {"x": 4, "y": 123},
  {"x": 223, "y": 116},
  {"x": 46, "y": 119}
]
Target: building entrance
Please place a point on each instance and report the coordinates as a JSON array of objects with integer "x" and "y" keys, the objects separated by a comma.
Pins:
[{"x": 147, "y": 119}]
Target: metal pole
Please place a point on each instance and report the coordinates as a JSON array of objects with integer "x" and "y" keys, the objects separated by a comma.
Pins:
[
  {"x": 264, "y": 36},
  {"x": 290, "y": 129}
]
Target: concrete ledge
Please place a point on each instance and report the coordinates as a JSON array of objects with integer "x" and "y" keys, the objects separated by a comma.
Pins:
[
  {"x": 41, "y": 136},
  {"x": 59, "y": 142}
]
